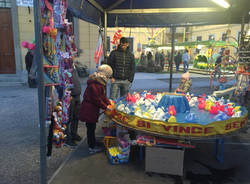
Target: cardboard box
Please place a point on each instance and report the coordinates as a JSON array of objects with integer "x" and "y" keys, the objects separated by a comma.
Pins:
[{"x": 164, "y": 160}]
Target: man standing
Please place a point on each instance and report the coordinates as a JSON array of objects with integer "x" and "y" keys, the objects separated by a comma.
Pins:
[
  {"x": 28, "y": 63},
  {"x": 185, "y": 59},
  {"x": 177, "y": 60},
  {"x": 157, "y": 58},
  {"x": 162, "y": 60},
  {"x": 122, "y": 63}
]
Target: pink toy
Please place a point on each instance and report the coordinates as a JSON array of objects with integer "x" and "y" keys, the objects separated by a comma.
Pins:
[
  {"x": 149, "y": 96},
  {"x": 31, "y": 46},
  {"x": 213, "y": 110},
  {"x": 46, "y": 29},
  {"x": 221, "y": 107},
  {"x": 202, "y": 104},
  {"x": 129, "y": 97},
  {"x": 171, "y": 110},
  {"x": 132, "y": 98},
  {"x": 229, "y": 111},
  {"x": 25, "y": 44}
]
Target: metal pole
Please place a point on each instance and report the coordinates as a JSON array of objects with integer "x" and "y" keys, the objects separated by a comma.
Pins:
[
  {"x": 105, "y": 34},
  {"x": 242, "y": 30},
  {"x": 172, "y": 58},
  {"x": 41, "y": 93}
]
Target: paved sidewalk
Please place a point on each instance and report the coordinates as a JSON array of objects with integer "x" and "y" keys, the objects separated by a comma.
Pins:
[
  {"x": 200, "y": 163},
  {"x": 200, "y": 166},
  {"x": 19, "y": 138}
]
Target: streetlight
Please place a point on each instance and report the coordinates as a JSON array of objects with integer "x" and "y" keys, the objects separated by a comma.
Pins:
[{"x": 222, "y": 3}]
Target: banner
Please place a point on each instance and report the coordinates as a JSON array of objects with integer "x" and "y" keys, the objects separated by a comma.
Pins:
[
  {"x": 178, "y": 129},
  {"x": 24, "y": 3},
  {"x": 99, "y": 51}
]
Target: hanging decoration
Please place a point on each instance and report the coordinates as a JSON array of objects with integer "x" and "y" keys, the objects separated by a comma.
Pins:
[
  {"x": 117, "y": 36},
  {"x": 99, "y": 51},
  {"x": 59, "y": 50}
]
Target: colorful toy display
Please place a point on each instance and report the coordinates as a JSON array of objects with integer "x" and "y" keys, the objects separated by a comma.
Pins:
[
  {"x": 178, "y": 114},
  {"x": 59, "y": 51}
]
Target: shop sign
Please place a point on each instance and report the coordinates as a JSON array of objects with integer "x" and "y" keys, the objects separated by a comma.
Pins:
[
  {"x": 179, "y": 129},
  {"x": 24, "y": 3}
]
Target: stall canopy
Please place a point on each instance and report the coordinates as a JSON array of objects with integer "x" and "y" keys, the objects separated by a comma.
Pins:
[{"x": 159, "y": 13}]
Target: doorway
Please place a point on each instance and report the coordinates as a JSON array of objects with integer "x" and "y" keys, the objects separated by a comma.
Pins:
[{"x": 7, "y": 57}]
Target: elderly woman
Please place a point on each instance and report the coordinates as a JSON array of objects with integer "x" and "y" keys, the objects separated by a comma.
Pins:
[{"x": 185, "y": 84}]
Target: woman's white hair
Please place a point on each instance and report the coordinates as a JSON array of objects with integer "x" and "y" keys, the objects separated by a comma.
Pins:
[{"x": 105, "y": 69}]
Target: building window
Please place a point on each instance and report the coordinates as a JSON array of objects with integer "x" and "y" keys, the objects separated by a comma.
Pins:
[
  {"x": 5, "y": 3},
  {"x": 211, "y": 37},
  {"x": 224, "y": 36},
  {"x": 199, "y": 38}
]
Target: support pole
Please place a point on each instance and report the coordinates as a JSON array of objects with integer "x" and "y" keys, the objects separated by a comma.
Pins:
[
  {"x": 41, "y": 93},
  {"x": 105, "y": 34},
  {"x": 242, "y": 30},
  {"x": 173, "y": 29}
]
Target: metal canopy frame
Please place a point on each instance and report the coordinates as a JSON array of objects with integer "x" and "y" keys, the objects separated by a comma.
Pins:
[
  {"x": 97, "y": 5},
  {"x": 166, "y": 10},
  {"x": 159, "y": 13}
]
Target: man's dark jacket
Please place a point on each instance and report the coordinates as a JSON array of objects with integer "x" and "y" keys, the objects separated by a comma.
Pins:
[{"x": 122, "y": 64}]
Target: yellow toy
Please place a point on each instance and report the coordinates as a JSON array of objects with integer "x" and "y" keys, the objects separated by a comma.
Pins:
[{"x": 172, "y": 119}]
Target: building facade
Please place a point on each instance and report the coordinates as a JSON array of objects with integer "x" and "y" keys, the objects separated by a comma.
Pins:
[{"x": 17, "y": 25}]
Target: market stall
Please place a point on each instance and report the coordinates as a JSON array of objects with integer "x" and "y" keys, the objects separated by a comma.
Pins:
[{"x": 172, "y": 116}]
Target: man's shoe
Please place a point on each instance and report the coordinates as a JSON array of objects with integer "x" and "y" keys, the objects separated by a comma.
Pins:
[
  {"x": 95, "y": 150},
  {"x": 77, "y": 138},
  {"x": 70, "y": 144}
]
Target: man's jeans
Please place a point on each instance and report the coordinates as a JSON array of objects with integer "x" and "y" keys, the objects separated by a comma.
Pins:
[
  {"x": 185, "y": 66},
  {"x": 123, "y": 85}
]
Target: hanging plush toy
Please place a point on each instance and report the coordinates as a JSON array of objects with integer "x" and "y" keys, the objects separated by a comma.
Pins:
[{"x": 117, "y": 36}]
